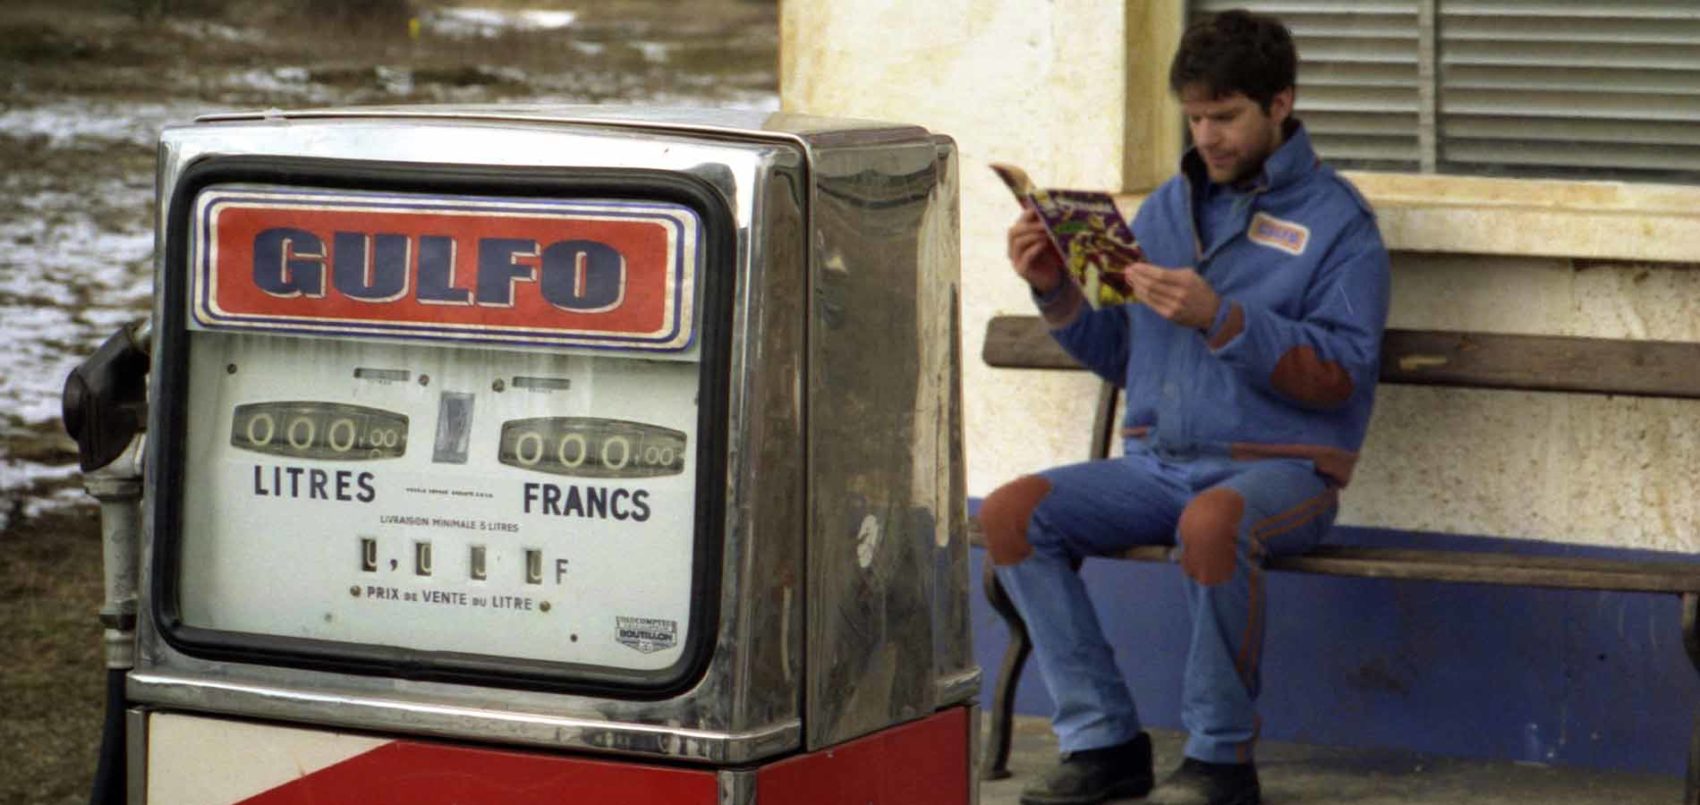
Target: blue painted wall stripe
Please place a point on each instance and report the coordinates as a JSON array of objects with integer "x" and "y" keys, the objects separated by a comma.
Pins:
[{"x": 1574, "y": 678}]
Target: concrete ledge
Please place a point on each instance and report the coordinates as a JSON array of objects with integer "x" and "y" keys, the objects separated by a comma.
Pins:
[{"x": 1530, "y": 217}]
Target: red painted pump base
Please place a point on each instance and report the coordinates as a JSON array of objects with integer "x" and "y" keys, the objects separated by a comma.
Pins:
[{"x": 922, "y": 762}]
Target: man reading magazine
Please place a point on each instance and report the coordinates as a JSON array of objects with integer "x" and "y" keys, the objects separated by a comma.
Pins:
[{"x": 1249, "y": 363}]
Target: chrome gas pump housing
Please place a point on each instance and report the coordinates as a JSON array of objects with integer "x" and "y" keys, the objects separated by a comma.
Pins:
[{"x": 828, "y": 560}]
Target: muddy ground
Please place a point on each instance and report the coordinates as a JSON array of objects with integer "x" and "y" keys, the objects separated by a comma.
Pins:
[{"x": 85, "y": 86}]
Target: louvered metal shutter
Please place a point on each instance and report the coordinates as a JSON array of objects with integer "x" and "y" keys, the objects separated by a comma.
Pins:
[
  {"x": 1549, "y": 87},
  {"x": 1360, "y": 89}
]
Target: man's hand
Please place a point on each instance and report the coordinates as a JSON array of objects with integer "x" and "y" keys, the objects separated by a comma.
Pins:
[
  {"x": 1177, "y": 294},
  {"x": 1031, "y": 253}
]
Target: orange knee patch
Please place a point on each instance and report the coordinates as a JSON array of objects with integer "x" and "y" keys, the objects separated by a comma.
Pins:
[
  {"x": 1004, "y": 516},
  {"x": 1209, "y": 528}
]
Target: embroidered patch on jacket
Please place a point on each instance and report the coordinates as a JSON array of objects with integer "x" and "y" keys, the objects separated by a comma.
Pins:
[{"x": 1275, "y": 233}]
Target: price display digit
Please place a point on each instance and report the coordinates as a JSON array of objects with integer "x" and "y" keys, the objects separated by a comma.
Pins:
[
  {"x": 319, "y": 430},
  {"x": 589, "y": 447}
]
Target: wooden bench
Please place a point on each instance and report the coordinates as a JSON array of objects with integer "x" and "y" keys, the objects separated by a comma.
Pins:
[{"x": 1456, "y": 359}]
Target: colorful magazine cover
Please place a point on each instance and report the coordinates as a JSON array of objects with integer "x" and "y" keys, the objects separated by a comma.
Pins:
[{"x": 1088, "y": 231}]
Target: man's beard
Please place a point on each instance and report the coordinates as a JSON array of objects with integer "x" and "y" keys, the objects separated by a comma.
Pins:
[{"x": 1244, "y": 171}]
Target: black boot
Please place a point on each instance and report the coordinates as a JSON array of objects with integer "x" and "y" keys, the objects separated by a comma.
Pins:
[
  {"x": 1094, "y": 775},
  {"x": 1199, "y": 783}
]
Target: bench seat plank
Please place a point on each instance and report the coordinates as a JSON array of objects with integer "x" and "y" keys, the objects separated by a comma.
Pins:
[
  {"x": 1498, "y": 569},
  {"x": 1555, "y": 572}
]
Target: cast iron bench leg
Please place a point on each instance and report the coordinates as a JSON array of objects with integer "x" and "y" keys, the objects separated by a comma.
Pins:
[
  {"x": 996, "y": 762},
  {"x": 1691, "y": 641}
]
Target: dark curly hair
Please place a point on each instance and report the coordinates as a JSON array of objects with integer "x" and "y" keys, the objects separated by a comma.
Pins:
[{"x": 1236, "y": 51}]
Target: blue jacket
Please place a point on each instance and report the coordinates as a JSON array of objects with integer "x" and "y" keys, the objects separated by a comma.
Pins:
[{"x": 1289, "y": 367}]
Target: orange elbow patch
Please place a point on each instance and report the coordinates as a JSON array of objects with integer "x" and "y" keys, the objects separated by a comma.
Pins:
[
  {"x": 1004, "y": 516},
  {"x": 1303, "y": 376},
  {"x": 1209, "y": 529}
]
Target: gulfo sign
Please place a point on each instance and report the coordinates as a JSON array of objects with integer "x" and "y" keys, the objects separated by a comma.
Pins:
[{"x": 610, "y": 274}]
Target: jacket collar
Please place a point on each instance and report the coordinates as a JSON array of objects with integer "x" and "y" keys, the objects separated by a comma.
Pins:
[{"x": 1294, "y": 160}]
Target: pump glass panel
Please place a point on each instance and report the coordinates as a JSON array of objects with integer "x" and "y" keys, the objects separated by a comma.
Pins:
[{"x": 465, "y": 426}]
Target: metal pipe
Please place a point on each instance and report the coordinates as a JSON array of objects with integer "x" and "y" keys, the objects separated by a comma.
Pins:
[{"x": 118, "y": 487}]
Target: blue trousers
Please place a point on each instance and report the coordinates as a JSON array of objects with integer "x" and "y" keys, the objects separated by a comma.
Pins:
[{"x": 1224, "y": 515}]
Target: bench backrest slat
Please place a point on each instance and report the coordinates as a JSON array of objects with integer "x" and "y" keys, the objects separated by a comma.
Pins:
[{"x": 1456, "y": 359}]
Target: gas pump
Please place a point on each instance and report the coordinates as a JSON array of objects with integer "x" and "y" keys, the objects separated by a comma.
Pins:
[{"x": 531, "y": 454}]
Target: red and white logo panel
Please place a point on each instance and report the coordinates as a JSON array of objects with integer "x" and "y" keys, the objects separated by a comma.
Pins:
[{"x": 602, "y": 273}]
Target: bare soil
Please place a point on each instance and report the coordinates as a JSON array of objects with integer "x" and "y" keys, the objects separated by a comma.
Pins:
[{"x": 105, "y": 74}]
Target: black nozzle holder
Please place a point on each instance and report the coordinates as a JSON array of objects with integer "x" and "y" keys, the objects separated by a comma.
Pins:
[{"x": 105, "y": 402}]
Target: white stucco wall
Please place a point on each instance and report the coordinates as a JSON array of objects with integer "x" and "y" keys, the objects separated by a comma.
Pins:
[
  {"x": 1012, "y": 81},
  {"x": 1043, "y": 85},
  {"x": 1569, "y": 467}
]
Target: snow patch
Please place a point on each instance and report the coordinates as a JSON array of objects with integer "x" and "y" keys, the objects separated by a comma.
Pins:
[
  {"x": 492, "y": 22},
  {"x": 36, "y": 363},
  {"x": 290, "y": 82},
  {"x": 66, "y": 282},
  {"x": 17, "y": 478},
  {"x": 395, "y": 80},
  {"x": 15, "y": 475},
  {"x": 65, "y": 122},
  {"x": 69, "y": 497},
  {"x": 200, "y": 29},
  {"x": 653, "y": 52}
]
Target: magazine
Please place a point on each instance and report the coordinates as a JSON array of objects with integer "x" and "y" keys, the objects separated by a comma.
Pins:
[{"x": 1088, "y": 231}]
